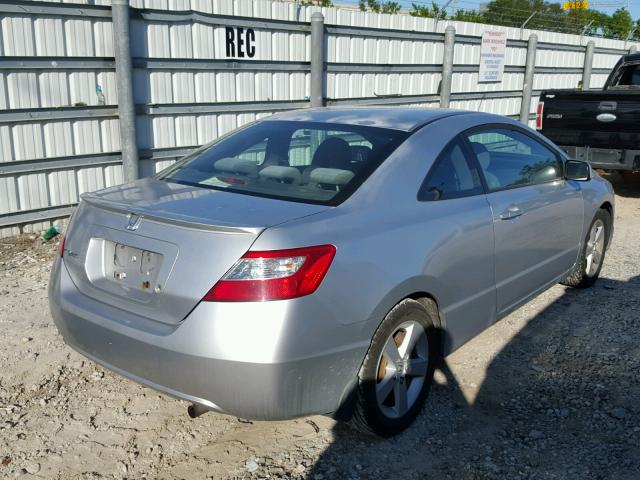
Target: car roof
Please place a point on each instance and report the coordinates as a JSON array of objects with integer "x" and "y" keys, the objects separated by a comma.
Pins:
[{"x": 398, "y": 118}]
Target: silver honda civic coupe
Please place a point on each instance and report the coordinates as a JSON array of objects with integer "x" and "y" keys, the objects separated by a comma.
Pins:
[{"x": 322, "y": 261}]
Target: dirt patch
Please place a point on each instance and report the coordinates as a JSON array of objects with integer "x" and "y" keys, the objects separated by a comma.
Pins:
[{"x": 550, "y": 392}]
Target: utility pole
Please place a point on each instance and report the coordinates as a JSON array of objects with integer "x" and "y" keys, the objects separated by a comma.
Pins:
[
  {"x": 447, "y": 66},
  {"x": 317, "y": 60},
  {"x": 120, "y": 14}
]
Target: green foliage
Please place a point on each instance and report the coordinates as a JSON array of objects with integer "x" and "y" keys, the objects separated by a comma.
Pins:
[
  {"x": 390, "y": 7},
  {"x": 549, "y": 15},
  {"x": 514, "y": 13},
  {"x": 619, "y": 25},
  {"x": 435, "y": 11},
  {"x": 379, "y": 6},
  {"x": 468, "y": 16},
  {"x": 316, "y": 3}
]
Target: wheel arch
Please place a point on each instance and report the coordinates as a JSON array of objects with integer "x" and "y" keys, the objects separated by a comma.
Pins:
[
  {"x": 608, "y": 207},
  {"x": 393, "y": 298},
  {"x": 421, "y": 288}
]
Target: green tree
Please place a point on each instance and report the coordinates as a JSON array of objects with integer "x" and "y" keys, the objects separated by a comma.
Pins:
[
  {"x": 435, "y": 11},
  {"x": 473, "y": 16},
  {"x": 587, "y": 21},
  {"x": 316, "y": 3},
  {"x": 379, "y": 6},
  {"x": 510, "y": 13},
  {"x": 514, "y": 13},
  {"x": 619, "y": 25}
]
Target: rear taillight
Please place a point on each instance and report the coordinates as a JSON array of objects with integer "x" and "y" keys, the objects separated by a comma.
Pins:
[
  {"x": 273, "y": 275},
  {"x": 539, "y": 113},
  {"x": 61, "y": 245}
]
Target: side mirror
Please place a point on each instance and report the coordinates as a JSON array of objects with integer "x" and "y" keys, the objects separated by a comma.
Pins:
[{"x": 577, "y": 170}]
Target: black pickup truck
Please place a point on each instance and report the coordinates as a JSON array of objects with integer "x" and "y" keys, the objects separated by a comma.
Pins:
[{"x": 599, "y": 126}]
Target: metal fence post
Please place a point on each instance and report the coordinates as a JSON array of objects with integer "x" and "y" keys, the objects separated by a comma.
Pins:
[
  {"x": 588, "y": 64},
  {"x": 447, "y": 66},
  {"x": 527, "y": 86},
  {"x": 124, "y": 83},
  {"x": 317, "y": 60}
]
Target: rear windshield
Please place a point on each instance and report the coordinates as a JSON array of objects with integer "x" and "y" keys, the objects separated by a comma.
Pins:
[{"x": 299, "y": 161}]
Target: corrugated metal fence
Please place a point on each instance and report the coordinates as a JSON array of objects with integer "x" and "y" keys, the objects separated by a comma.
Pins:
[{"x": 204, "y": 67}]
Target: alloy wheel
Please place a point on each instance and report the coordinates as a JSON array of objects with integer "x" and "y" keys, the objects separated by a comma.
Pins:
[
  {"x": 402, "y": 368},
  {"x": 595, "y": 248}
]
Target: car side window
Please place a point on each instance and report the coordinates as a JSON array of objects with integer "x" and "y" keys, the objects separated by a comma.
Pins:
[
  {"x": 509, "y": 158},
  {"x": 453, "y": 175}
]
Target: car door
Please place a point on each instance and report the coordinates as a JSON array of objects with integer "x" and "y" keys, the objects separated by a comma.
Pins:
[
  {"x": 537, "y": 215},
  {"x": 460, "y": 238}
]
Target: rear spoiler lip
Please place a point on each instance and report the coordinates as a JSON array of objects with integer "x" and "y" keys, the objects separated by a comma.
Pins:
[{"x": 183, "y": 221}]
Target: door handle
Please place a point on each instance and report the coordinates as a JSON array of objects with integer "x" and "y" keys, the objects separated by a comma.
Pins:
[
  {"x": 607, "y": 106},
  {"x": 512, "y": 212}
]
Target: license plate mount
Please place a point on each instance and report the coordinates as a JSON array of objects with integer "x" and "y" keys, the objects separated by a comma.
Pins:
[{"x": 131, "y": 267}]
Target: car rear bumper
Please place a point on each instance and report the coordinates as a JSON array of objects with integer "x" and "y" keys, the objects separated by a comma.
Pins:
[{"x": 232, "y": 363}]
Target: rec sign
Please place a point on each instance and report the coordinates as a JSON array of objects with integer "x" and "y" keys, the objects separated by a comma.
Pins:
[{"x": 240, "y": 42}]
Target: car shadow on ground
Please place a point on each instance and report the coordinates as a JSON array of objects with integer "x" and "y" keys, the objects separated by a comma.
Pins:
[
  {"x": 627, "y": 186},
  {"x": 560, "y": 400}
]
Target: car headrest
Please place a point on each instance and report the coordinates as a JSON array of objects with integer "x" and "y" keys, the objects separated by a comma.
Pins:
[
  {"x": 331, "y": 176},
  {"x": 281, "y": 174},
  {"x": 482, "y": 154},
  {"x": 333, "y": 152},
  {"x": 237, "y": 165}
]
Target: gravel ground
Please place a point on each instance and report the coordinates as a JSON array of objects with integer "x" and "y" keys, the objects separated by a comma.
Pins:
[{"x": 550, "y": 392}]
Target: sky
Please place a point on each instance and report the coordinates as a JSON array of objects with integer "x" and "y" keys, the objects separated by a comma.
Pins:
[{"x": 607, "y": 6}]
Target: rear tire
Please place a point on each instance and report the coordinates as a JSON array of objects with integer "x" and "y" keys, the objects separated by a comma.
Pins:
[
  {"x": 397, "y": 372},
  {"x": 587, "y": 269}
]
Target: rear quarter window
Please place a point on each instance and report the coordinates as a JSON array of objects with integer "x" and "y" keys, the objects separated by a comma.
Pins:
[{"x": 453, "y": 175}]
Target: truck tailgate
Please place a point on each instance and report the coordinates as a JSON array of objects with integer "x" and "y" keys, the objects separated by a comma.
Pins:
[{"x": 596, "y": 119}]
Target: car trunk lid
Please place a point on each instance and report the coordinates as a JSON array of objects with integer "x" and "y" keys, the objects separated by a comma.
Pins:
[{"x": 155, "y": 248}]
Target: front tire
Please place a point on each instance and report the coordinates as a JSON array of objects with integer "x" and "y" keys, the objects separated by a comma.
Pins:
[
  {"x": 587, "y": 269},
  {"x": 398, "y": 370}
]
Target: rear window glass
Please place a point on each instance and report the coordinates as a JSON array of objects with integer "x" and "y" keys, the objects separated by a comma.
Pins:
[{"x": 300, "y": 161}]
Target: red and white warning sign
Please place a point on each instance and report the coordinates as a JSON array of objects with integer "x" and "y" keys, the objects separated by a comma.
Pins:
[{"x": 492, "y": 55}]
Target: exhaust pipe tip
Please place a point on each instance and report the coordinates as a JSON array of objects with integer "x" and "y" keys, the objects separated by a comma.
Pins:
[{"x": 195, "y": 410}]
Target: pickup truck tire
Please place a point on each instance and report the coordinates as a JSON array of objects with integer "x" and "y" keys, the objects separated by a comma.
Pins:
[
  {"x": 393, "y": 369},
  {"x": 587, "y": 269}
]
